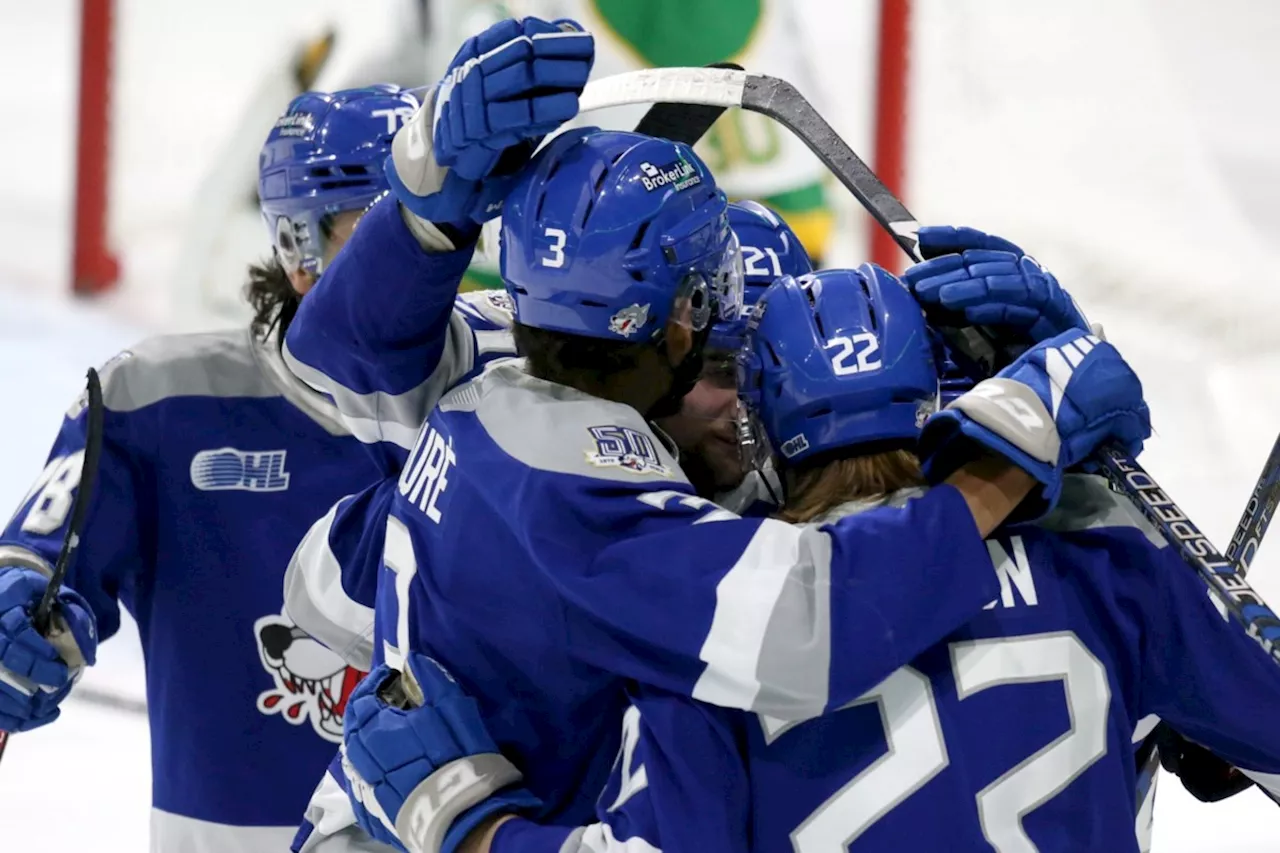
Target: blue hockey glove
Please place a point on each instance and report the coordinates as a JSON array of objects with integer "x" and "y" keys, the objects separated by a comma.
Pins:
[
  {"x": 36, "y": 673},
  {"x": 455, "y": 160},
  {"x": 422, "y": 778},
  {"x": 1045, "y": 413},
  {"x": 990, "y": 282}
]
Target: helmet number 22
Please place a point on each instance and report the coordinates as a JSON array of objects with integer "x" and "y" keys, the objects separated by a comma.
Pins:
[
  {"x": 557, "y": 237},
  {"x": 862, "y": 347}
]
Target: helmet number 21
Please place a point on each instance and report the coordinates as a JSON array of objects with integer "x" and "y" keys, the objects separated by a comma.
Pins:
[
  {"x": 557, "y": 237},
  {"x": 862, "y": 347}
]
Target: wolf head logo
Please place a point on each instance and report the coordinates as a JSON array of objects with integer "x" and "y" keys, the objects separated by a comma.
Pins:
[{"x": 312, "y": 683}]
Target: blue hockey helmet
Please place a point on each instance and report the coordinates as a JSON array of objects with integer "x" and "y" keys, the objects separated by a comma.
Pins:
[
  {"x": 606, "y": 230},
  {"x": 770, "y": 250},
  {"x": 324, "y": 156},
  {"x": 835, "y": 359}
]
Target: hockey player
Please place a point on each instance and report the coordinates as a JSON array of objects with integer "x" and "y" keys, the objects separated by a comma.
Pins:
[
  {"x": 705, "y": 428},
  {"x": 1013, "y": 734},
  {"x": 538, "y": 487},
  {"x": 215, "y": 461}
]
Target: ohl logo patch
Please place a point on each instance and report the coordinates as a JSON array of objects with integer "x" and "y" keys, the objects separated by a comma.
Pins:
[
  {"x": 312, "y": 684},
  {"x": 227, "y": 468}
]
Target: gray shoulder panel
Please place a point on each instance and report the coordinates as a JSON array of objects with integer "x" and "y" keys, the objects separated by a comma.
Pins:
[
  {"x": 555, "y": 428},
  {"x": 211, "y": 364},
  {"x": 1088, "y": 503}
]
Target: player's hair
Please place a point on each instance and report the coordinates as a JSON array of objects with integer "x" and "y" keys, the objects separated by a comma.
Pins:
[
  {"x": 821, "y": 483},
  {"x": 574, "y": 360},
  {"x": 272, "y": 297}
]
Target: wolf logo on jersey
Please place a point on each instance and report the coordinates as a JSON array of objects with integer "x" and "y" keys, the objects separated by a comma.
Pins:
[{"x": 312, "y": 684}]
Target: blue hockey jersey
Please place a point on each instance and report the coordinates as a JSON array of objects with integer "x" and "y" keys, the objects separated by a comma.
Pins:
[
  {"x": 545, "y": 546},
  {"x": 215, "y": 462},
  {"x": 1013, "y": 734}
]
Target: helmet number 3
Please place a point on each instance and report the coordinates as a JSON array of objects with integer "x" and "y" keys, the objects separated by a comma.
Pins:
[
  {"x": 862, "y": 347},
  {"x": 557, "y": 238}
]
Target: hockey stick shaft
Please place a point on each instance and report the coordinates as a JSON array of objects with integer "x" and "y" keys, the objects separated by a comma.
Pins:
[
  {"x": 1241, "y": 551},
  {"x": 43, "y": 616},
  {"x": 1258, "y": 513},
  {"x": 1225, "y": 580},
  {"x": 80, "y": 504}
]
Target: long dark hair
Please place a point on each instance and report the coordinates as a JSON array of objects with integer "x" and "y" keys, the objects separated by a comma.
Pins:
[{"x": 272, "y": 297}]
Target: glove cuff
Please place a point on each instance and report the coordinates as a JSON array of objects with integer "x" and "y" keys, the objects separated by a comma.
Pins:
[
  {"x": 951, "y": 439},
  {"x": 513, "y": 801},
  {"x": 457, "y": 208},
  {"x": 434, "y": 810},
  {"x": 1012, "y": 411}
]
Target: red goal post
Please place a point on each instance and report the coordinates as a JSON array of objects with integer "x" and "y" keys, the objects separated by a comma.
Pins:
[{"x": 94, "y": 267}]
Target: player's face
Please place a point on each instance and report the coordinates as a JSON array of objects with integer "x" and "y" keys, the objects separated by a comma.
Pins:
[
  {"x": 338, "y": 233},
  {"x": 706, "y": 429}
]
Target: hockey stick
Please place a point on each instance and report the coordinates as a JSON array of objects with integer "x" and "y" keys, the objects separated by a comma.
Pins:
[
  {"x": 1257, "y": 514},
  {"x": 777, "y": 99},
  {"x": 1226, "y": 580},
  {"x": 781, "y": 101},
  {"x": 685, "y": 123},
  {"x": 1241, "y": 551},
  {"x": 42, "y": 618},
  {"x": 79, "y": 506}
]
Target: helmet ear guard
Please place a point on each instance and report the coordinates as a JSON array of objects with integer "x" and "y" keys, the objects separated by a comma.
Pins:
[{"x": 288, "y": 238}]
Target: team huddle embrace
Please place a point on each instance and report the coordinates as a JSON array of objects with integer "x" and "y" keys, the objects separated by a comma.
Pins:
[{"x": 678, "y": 544}]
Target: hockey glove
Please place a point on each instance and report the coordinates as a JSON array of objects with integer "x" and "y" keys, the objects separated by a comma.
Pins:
[
  {"x": 990, "y": 282},
  {"x": 457, "y": 157},
  {"x": 36, "y": 673},
  {"x": 1045, "y": 413},
  {"x": 422, "y": 778},
  {"x": 1205, "y": 776}
]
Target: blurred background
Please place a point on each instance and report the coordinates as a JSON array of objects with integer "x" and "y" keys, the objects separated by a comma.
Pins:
[{"x": 1131, "y": 145}]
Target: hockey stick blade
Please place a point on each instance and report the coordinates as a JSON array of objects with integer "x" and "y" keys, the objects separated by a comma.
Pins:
[
  {"x": 685, "y": 123},
  {"x": 713, "y": 87}
]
